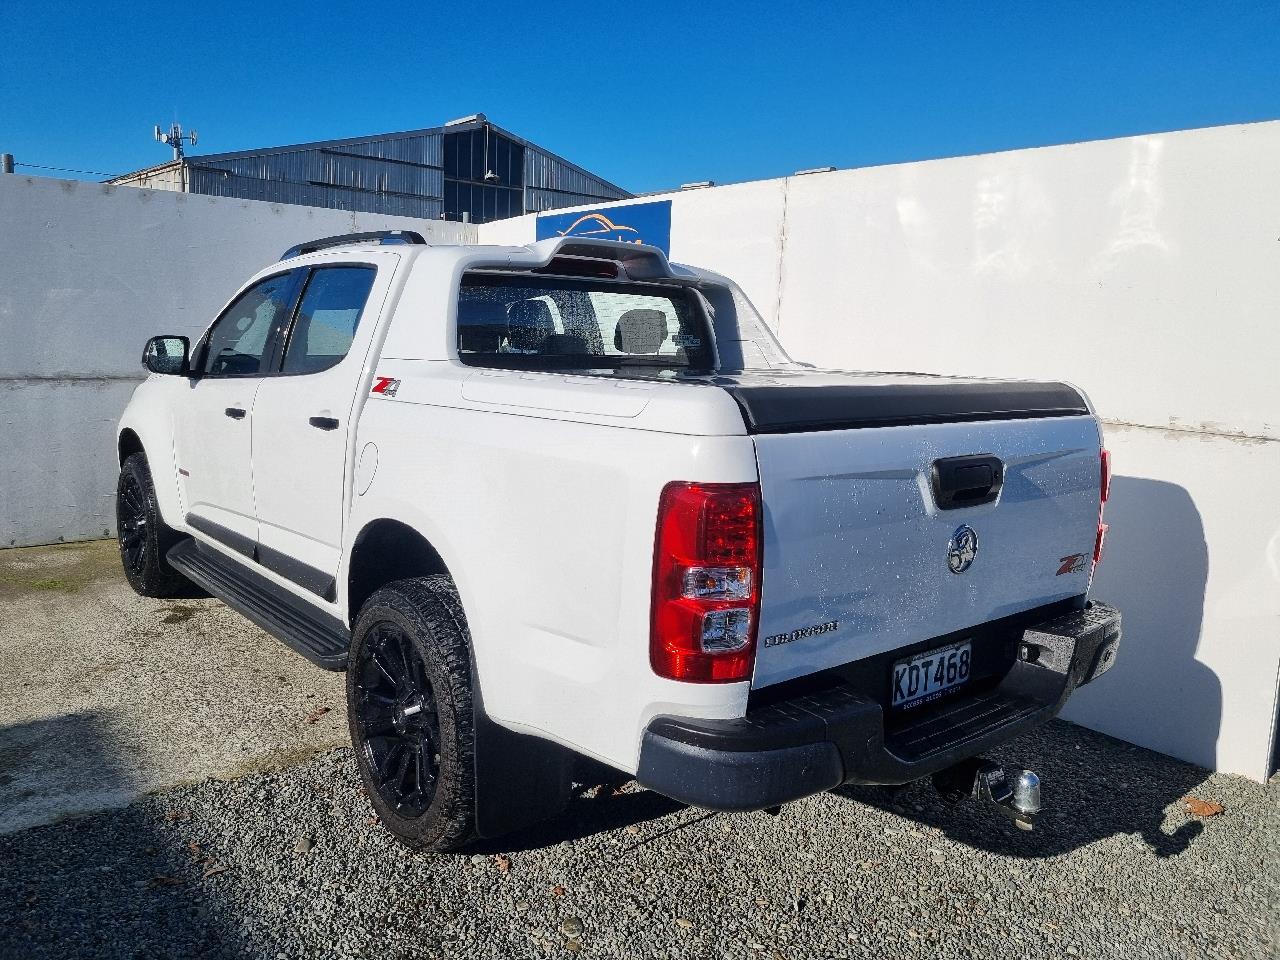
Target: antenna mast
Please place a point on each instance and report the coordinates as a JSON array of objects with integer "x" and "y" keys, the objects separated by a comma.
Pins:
[{"x": 175, "y": 137}]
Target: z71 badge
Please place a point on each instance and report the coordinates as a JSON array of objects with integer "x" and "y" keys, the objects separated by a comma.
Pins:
[{"x": 1071, "y": 564}]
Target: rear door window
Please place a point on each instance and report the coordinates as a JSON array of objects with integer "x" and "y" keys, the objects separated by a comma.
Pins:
[{"x": 329, "y": 313}]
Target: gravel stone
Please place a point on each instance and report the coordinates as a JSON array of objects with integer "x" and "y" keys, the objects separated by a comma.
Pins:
[
  {"x": 1104, "y": 876},
  {"x": 571, "y": 927}
]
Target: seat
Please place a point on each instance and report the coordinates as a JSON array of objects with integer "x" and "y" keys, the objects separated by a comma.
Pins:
[
  {"x": 481, "y": 326},
  {"x": 640, "y": 331},
  {"x": 529, "y": 323},
  {"x": 565, "y": 344}
]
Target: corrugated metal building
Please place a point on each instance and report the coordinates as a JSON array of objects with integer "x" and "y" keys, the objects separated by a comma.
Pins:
[{"x": 467, "y": 169}]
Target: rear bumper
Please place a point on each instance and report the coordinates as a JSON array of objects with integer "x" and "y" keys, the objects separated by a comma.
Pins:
[{"x": 810, "y": 743}]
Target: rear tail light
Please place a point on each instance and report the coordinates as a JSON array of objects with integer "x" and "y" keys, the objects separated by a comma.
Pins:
[
  {"x": 1099, "y": 543},
  {"x": 1104, "y": 493},
  {"x": 706, "y": 582}
]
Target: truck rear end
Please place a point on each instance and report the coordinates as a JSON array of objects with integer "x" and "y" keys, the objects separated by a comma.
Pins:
[
  {"x": 917, "y": 588},
  {"x": 895, "y": 581}
]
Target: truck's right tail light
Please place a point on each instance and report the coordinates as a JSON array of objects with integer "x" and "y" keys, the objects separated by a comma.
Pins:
[
  {"x": 706, "y": 582},
  {"x": 1104, "y": 494}
]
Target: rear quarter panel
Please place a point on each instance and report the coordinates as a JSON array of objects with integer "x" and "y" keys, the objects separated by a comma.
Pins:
[{"x": 546, "y": 521}]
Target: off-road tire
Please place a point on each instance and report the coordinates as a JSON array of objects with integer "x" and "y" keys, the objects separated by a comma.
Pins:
[
  {"x": 428, "y": 613},
  {"x": 144, "y": 536}
]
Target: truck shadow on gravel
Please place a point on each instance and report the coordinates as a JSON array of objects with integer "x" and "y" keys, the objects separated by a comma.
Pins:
[
  {"x": 594, "y": 809},
  {"x": 119, "y": 883},
  {"x": 1094, "y": 787}
]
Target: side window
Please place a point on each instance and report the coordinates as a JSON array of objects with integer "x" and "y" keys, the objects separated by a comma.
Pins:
[
  {"x": 328, "y": 315},
  {"x": 238, "y": 341}
]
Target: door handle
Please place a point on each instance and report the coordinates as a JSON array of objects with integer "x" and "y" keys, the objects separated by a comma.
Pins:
[
  {"x": 235, "y": 413},
  {"x": 324, "y": 423},
  {"x": 966, "y": 481}
]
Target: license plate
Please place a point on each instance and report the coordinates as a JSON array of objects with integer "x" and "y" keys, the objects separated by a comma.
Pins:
[{"x": 927, "y": 676}]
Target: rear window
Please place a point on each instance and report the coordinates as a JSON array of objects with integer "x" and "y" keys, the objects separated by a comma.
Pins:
[{"x": 551, "y": 323}]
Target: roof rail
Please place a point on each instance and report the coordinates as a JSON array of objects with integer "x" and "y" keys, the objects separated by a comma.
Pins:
[{"x": 373, "y": 236}]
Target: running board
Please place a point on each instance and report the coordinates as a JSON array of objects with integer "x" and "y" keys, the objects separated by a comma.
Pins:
[{"x": 320, "y": 638}]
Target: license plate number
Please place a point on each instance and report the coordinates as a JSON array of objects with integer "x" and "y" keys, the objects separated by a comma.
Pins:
[{"x": 927, "y": 676}]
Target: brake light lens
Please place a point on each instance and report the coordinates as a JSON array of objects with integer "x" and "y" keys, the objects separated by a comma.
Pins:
[
  {"x": 706, "y": 582},
  {"x": 1104, "y": 493}
]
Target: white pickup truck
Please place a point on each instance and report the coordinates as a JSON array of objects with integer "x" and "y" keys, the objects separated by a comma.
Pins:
[{"x": 569, "y": 499}]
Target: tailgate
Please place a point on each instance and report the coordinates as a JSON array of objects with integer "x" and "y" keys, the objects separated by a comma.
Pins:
[{"x": 858, "y": 555}]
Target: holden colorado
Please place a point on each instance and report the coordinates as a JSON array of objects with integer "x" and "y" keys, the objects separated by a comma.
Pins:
[{"x": 571, "y": 500}]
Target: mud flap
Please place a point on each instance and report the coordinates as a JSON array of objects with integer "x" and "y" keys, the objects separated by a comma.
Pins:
[{"x": 520, "y": 779}]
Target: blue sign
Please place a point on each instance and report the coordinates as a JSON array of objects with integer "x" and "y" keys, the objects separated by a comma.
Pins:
[{"x": 634, "y": 223}]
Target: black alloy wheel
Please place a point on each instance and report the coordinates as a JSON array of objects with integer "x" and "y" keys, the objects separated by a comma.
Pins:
[
  {"x": 395, "y": 707},
  {"x": 131, "y": 520},
  {"x": 144, "y": 537}
]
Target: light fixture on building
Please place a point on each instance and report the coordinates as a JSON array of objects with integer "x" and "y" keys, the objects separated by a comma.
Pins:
[
  {"x": 697, "y": 185},
  {"x": 801, "y": 173}
]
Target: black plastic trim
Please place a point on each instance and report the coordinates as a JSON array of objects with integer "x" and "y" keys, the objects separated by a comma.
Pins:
[
  {"x": 323, "y": 585},
  {"x": 229, "y": 538},
  {"x": 321, "y": 638},
  {"x": 520, "y": 778},
  {"x": 346, "y": 239},
  {"x": 796, "y": 408},
  {"x": 968, "y": 481},
  {"x": 838, "y": 734},
  {"x": 304, "y": 575}
]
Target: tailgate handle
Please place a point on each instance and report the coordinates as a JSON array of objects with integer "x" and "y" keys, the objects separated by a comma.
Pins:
[{"x": 966, "y": 481}]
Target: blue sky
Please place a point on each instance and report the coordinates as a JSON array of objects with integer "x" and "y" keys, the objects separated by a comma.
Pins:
[{"x": 649, "y": 95}]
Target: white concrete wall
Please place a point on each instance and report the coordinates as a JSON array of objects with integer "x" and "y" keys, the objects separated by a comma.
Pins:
[
  {"x": 1146, "y": 270},
  {"x": 87, "y": 273}
]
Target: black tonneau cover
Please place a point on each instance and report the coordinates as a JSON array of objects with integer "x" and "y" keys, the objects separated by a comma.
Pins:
[{"x": 797, "y": 402}]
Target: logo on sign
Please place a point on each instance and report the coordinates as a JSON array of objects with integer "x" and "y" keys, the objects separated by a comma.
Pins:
[
  {"x": 598, "y": 225},
  {"x": 648, "y": 223}
]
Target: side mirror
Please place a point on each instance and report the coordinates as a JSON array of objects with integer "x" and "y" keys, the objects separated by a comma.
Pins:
[{"x": 167, "y": 355}]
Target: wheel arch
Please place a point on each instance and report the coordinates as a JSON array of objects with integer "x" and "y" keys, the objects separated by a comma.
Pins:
[
  {"x": 127, "y": 444},
  {"x": 385, "y": 550}
]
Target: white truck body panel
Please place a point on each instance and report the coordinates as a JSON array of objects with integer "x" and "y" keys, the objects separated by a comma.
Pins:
[
  {"x": 854, "y": 535},
  {"x": 546, "y": 522}
]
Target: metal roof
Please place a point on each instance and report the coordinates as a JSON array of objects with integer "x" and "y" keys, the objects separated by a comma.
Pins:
[{"x": 380, "y": 137}]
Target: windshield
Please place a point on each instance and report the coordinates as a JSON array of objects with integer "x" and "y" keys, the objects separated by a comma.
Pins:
[{"x": 558, "y": 323}]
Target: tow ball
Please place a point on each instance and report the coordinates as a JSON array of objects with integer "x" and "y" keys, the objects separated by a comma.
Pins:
[{"x": 1016, "y": 796}]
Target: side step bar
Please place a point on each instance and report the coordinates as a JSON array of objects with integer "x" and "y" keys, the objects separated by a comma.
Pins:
[{"x": 320, "y": 638}]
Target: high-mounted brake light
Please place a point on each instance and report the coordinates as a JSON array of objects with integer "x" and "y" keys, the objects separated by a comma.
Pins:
[{"x": 706, "y": 582}]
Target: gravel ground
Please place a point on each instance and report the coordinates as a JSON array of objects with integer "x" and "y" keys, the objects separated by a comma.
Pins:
[
  {"x": 106, "y": 696},
  {"x": 288, "y": 864}
]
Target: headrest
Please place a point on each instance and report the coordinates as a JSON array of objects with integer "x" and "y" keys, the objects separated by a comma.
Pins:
[
  {"x": 481, "y": 313},
  {"x": 529, "y": 324},
  {"x": 640, "y": 331}
]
